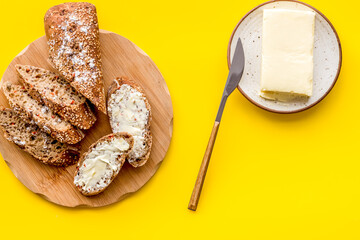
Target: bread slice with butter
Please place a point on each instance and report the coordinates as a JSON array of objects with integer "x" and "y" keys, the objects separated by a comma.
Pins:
[
  {"x": 99, "y": 166},
  {"x": 129, "y": 111}
]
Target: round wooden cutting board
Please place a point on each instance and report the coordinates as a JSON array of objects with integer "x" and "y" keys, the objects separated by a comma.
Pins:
[{"x": 120, "y": 57}]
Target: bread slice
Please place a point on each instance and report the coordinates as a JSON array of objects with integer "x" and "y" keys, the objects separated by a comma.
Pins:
[
  {"x": 36, "y": 142},
  {"x": 56, "y": 93},
  {"x": 30, "y": 109},
  {"x": 99, "y": 166},
  {"x": 130, "y": 111},
  {"x": 72, "y": 33}
]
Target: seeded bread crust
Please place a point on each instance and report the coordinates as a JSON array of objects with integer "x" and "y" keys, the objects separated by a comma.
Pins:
[
  {"x": 148, "y": 136},
  {"x": 69, "y": 134},
  {"x": 78, "y": 113},
  {"x": 121, "y": 160},
  {"x": 72, "y": 32},
  {"x": 33, "y": 140}
]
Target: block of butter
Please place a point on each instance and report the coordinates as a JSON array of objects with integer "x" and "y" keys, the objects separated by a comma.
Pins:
[{"x": 287, "y": 54}]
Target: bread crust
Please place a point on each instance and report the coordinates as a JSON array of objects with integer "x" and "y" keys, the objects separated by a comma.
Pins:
[
  {"x": 121, "y": 158},
  {"x": 115, "y": 85},
  {"x": 85, "y": 78},
  {"x": 71, "y": 135},
  {"x": 66, "y": 158},
  {"x": 79, "y": 115}
]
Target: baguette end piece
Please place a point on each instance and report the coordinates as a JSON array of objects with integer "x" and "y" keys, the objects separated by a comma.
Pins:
[
  {"x": 103, "y": 161},
  {"x": 77, "y": 22}
]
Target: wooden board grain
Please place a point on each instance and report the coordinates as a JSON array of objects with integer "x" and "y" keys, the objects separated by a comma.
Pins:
[{"x": 120, "y": 57}]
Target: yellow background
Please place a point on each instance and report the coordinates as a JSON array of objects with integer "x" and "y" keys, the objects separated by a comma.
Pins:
[{"x": 271, "y": 176}]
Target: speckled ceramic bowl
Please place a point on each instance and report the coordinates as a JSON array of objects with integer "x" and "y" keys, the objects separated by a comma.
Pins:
[{"x": 327, "y": 57}]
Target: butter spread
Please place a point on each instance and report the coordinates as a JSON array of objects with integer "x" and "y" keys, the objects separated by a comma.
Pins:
[
  {"x": 287, "y": 54},
  {"x": 101, "y": 164},
  {"x": 129, "y": 114}
]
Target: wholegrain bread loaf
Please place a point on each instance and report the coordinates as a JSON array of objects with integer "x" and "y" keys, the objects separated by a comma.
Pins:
[
  {"x": 72, "y": 33},
  {"x": 32, "y": 110},
  {"x": 130, "y": 111},
  {"x": 57, "y": 94},
  {"x": 33, "y": 140},
  {"x": 99, "y": 166}
]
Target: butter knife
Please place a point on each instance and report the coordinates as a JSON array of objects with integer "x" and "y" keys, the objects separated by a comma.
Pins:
[{"x": 236, "y": 71}]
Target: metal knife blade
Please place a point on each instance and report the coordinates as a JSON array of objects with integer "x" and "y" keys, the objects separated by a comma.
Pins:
[{"x": 235, "y": 73}]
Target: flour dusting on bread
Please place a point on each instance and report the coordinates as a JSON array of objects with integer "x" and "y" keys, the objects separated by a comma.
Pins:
[{"x": 74, "y": 48}]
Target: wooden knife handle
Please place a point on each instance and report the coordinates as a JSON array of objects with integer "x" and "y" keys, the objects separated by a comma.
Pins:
[{"x": 202, "y": 172}]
